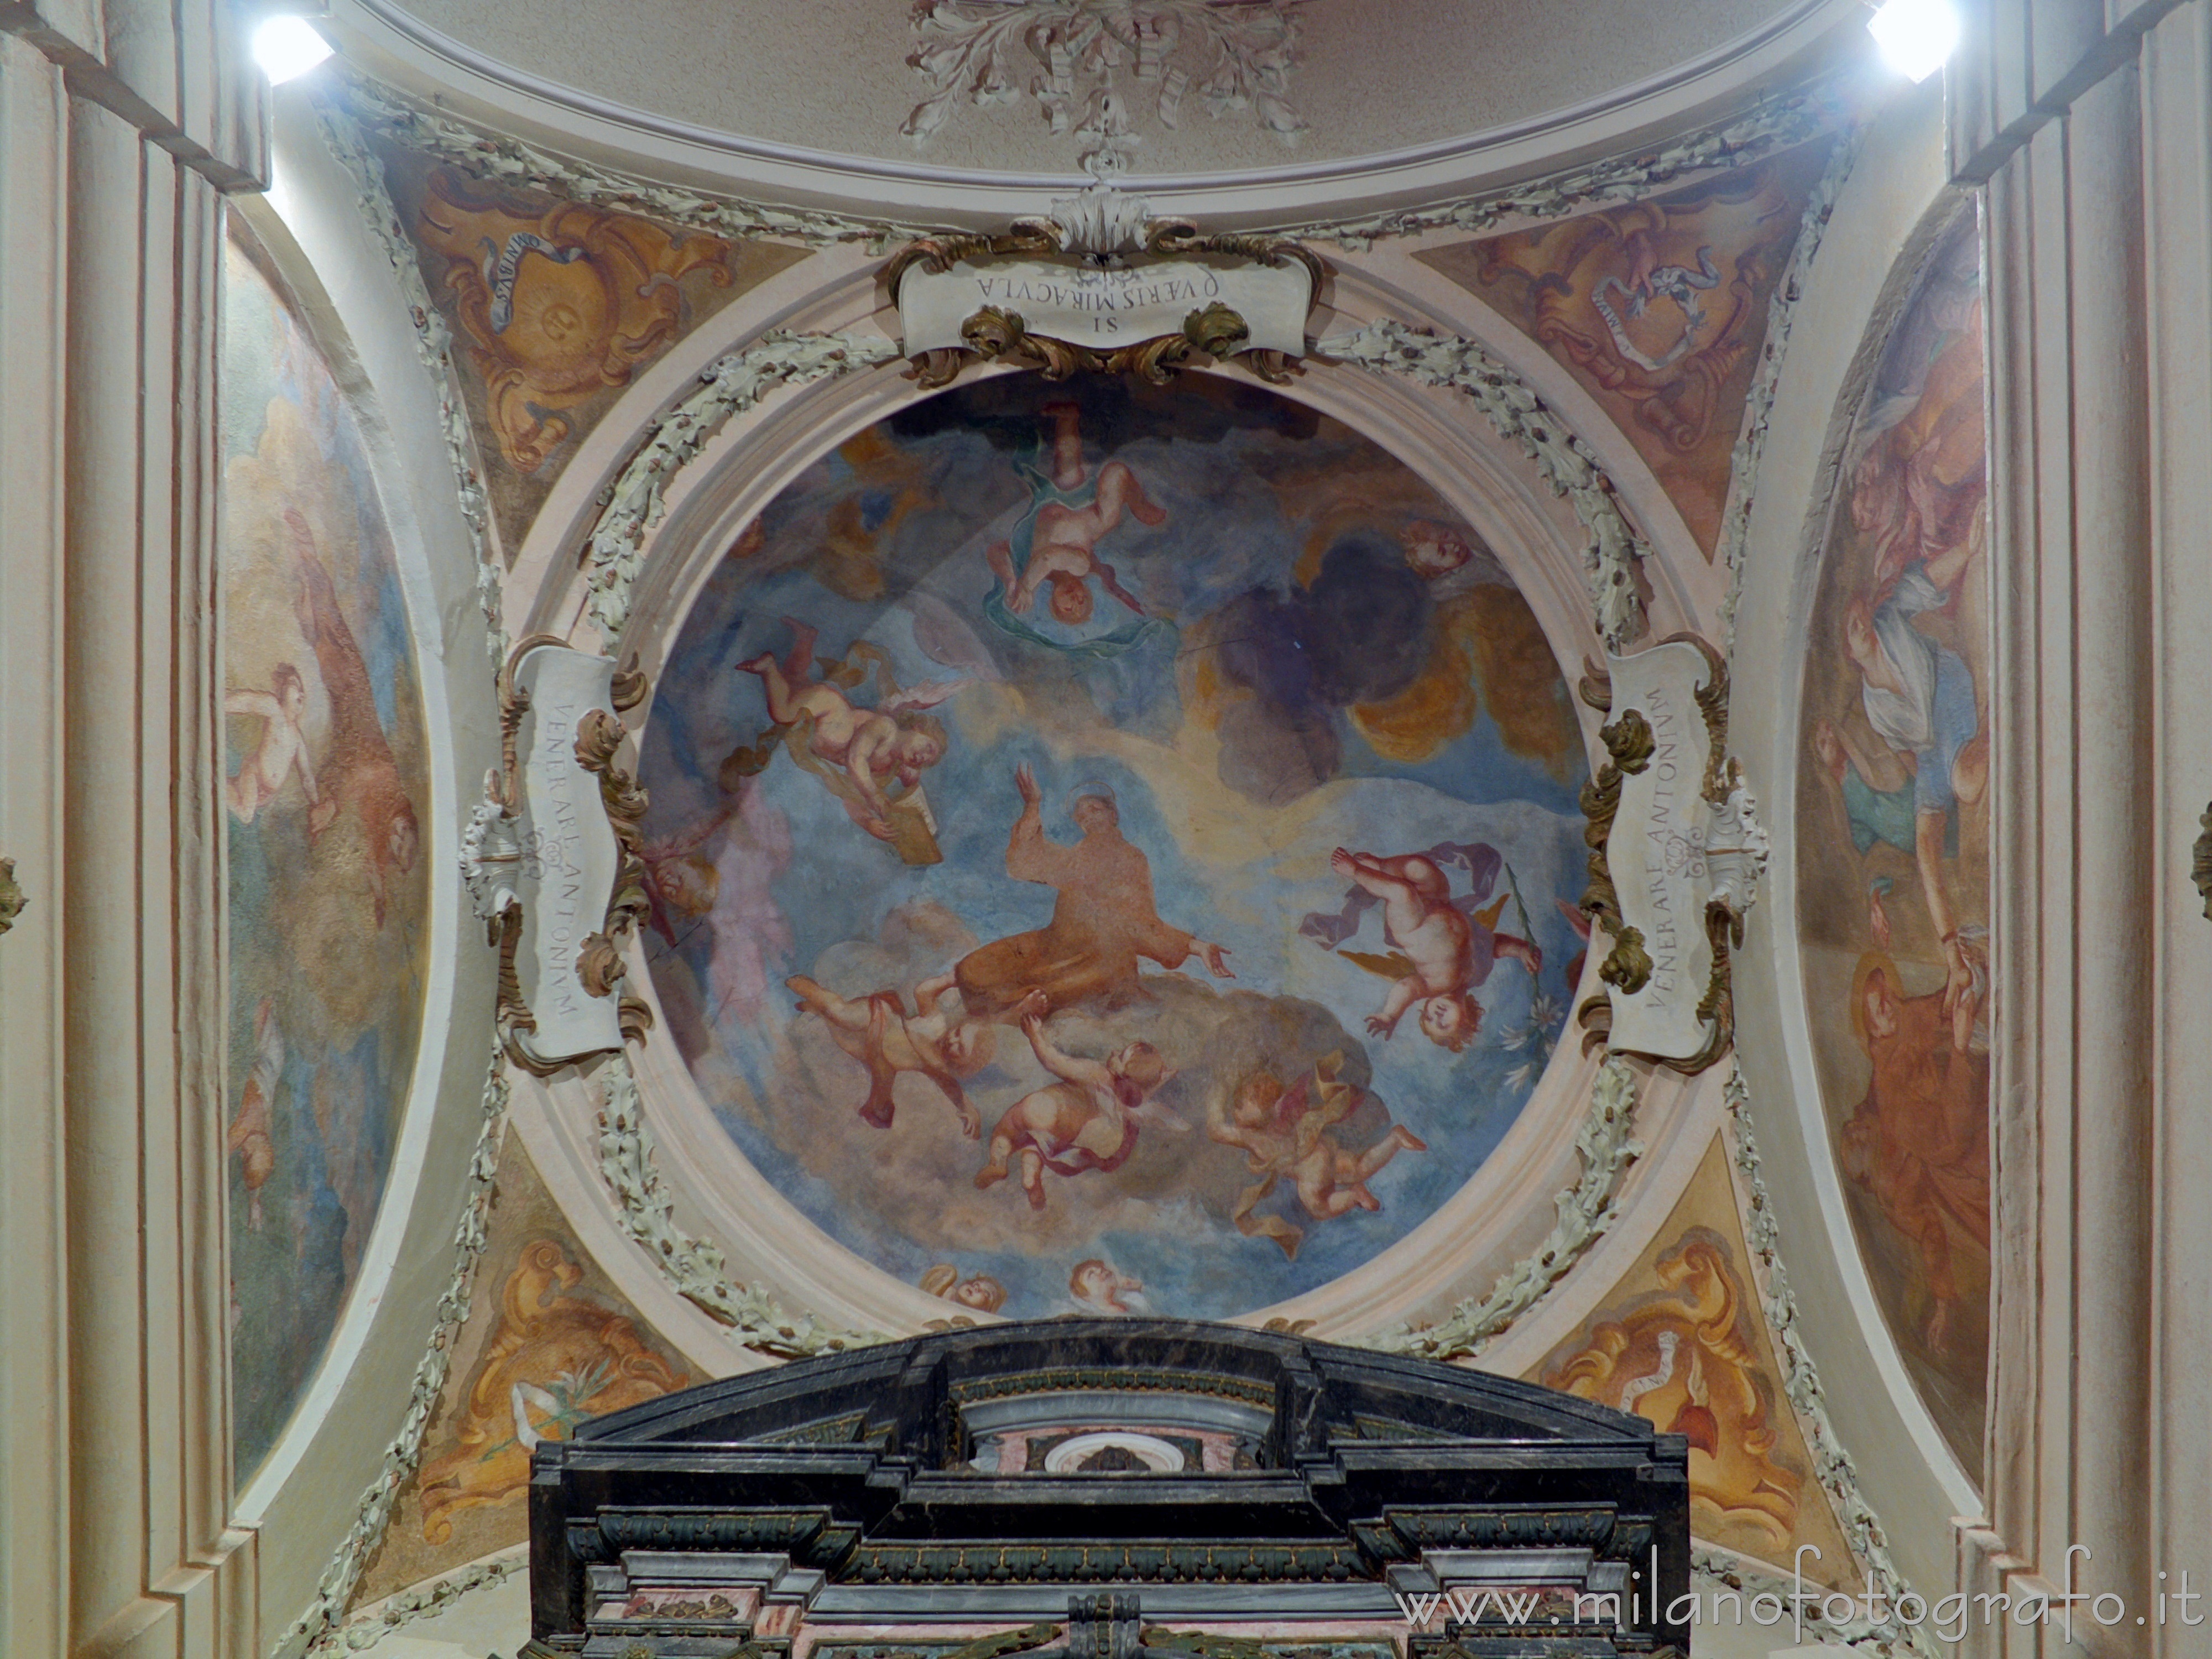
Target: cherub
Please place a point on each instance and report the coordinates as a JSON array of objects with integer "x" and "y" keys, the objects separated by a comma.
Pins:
[
  {"x": 282, "y": 752},
  {"x": 877, "y": 1030},
  {"x": 1097, "y": 1284},
  {"x": 1057, "y": 542},
  {"x": 359, "y": 769},
  {"x": 978, "y": 1290},
  {"x": 893, "y": 741},
  {"x": 1087, "y": 1120},
  {"x": 249, "y": 1135},
  {"x": 1433, "y": 550},
  {"x": 1290, "y": 1133},
  {"x": 1445, "y": 951}
]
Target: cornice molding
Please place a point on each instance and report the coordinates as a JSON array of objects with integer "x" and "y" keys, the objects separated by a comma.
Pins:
[{"x": 1711, "y": 92}]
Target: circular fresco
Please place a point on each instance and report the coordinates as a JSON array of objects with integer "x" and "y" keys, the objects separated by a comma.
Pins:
[{"x": 1113, "y": 848}]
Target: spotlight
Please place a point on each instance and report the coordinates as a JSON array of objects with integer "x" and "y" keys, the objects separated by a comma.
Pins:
[
  {"x": 1915, "y": 36},
  {"x": 287, "y": 47}
]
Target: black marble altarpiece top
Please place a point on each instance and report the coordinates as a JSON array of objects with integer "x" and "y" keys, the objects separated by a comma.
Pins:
[{"x": 1110, "y": 1489}]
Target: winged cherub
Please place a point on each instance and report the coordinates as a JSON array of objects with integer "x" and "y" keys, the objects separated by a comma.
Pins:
[
  {"x": 1086, "y": 1120},
  {"x": 1444, "y": 946},
  {"x": 358, "y": 772},
  {"x": 860, "y": 753}
]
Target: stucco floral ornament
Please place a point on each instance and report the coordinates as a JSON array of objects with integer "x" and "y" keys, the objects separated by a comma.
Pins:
[
  {"x": 1073, "y": 57},
  {"x": 11, "y": 896}
]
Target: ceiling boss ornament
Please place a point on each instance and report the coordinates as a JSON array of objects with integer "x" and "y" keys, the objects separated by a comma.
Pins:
[{"x": 1081, "y": 60}]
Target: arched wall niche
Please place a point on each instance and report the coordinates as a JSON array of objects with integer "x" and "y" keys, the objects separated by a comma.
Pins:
[
  {"x": 1896, "y": 204},
  {"x": 1493, "y": 1221},
  {"x": 306, "y": 1490}
]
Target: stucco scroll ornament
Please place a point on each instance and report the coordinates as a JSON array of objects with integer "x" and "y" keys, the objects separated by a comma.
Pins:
[
  {"x": 1062, "y": 298},
  {"x": 2200, "y": 868},
  {"x": 1676, "y": 855},
  {"x": 11, "y": 896},
  {"x": 1079, "y": 59},
  {"x": 550, "y": 856}
]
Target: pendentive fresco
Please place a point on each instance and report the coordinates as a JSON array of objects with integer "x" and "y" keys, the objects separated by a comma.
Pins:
[
  {"x": 1658, "y": 309},
  {"x": 325, "y": 784}
]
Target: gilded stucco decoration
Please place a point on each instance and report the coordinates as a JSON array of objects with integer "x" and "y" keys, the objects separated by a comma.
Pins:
[
  {"x": 1082, "y": 61},
  {"x": 535, "y": 857},
  {"x": 1677, "y": 855},
  {"x": 1177, "y": 299},
  {"x": 11, "y": 896}
]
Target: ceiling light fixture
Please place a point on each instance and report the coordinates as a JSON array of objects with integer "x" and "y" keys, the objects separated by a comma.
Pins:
[
  {"x": 1916, "y": 36},
  {"x": 287, "y": 47}
]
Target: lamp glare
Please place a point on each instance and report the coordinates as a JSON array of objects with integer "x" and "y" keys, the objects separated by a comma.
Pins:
[
  {"x": 287, "y": 47},
  {"x": 1915, "y": 36}
]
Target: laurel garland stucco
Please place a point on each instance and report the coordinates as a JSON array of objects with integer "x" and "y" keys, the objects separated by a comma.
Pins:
[
  {"x": 1833, "y": 1466},
  {"x": 1759, "y": 403},
  {"x": 735, "y": 381},
  {"x": 433, "y": 346},
  {"x": 1607, "y": 1145},
  {"x": 426, "y": 1600},
  {"x": 319, "y": 1627},
  {"x": 1522, "y": 418},
  {"x": 1767, "y": 128},
  {"x": 494, "y": 156},
  {"x": 694, "y": 1267}
]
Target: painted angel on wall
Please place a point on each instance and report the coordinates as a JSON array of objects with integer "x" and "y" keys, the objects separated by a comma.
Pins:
[
  {"x": 1289, "y": 1134},
  {"x": 872, "y": 759},
  {"x": 1053, "y": 551},
  {"x": 358, "y": 771},
  {"x": 1442, "y": 946}
]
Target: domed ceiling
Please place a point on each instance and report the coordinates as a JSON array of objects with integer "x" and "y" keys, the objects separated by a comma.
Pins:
[
  {"x": 1092, "y": 825},
  {"x": 1003, "y": 91}
]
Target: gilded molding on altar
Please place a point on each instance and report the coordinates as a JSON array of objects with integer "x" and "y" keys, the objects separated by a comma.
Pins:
[
  {"x": 1676, "y": 855},
  {"x": 1061, "y": 298},
  {"x": 557, "y": 826}
]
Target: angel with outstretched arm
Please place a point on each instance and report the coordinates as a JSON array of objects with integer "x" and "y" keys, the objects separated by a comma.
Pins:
[{"x": 858, "y": 751}]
